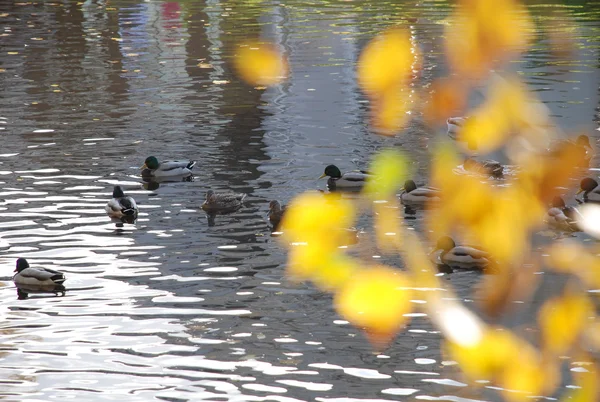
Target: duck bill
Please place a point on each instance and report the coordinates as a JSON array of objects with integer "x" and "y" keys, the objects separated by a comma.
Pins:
[
  {"x": 580, "y": 191},
  {"x": 323, "y": 175},
  {"x": 144, "y": 166}
]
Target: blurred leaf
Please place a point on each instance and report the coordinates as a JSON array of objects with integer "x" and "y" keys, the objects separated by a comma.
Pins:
[
  {"x": 388, "y": 171},
  {"x": 562, "y": 320},
  {"x": 260, "y": 64},
  {"x": 487, "y": 356},
  {"x": 527, "y": 375},
  {"x": 447, "y": 96},
  {"x": 386, "y": 62},
  {"x": 377, "y": 300},
  {"x": 317, "y": 219},
  {"x": 483, "y": 33},
  {"x": 389, "y": 111},
  {"x": 388, "y": 225},
  {"x": 575, "y": 259},
  {"x": 587, "y": 386}
]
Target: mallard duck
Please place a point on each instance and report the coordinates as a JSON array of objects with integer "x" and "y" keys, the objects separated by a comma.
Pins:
[
  {"x": 488, "y": 167},
  {"x": 455, "y": 125},
  {"x": 276, "y": 212},
  {"x": 27, "y": 276},
  {"x": 222, "y": 202},
  {"x": 563, "y": 217},
  {"x": 412, "y": 194},
  {"x": 121, "y": 205},
  {"x": 459, "y": 257},
  {"x": 348, "y": 180},
  {"x": 589, "y": 188},
  {"x": 581, "y": 149},
  {"x": 153, "y": 168}
]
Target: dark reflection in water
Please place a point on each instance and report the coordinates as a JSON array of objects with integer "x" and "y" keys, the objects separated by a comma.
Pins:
[{"x": 175, "y": 306}]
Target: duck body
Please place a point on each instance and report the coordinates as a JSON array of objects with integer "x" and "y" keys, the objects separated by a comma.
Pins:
[
  {"x": 276, "y": 212},
  {"x": 121, "y": 205},
  {"x": 222, "y": 202},
  {"x": 563, "y": 217},
  {"x": 349, "y": 180},
  {"x": 29, "y": 277},
  {"x": 412, "y": 194},
  {"x": 459, "y": 257},
  {"x": 490, "y": 168},
  {"x": 455, "y": 125},
  {"x": 152, "y": 168},
  {"x": 590, "y": 189}
]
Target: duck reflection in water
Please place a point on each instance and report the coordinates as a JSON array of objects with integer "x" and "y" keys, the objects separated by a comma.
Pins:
[
  {"x": 410, "y": 212},
  {"x": 153, "y": 183},
  {"x": 129, "y": 219},
  {"x": 23, "y": 292}
]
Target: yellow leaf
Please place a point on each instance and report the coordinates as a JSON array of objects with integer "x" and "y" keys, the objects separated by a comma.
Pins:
[
  {"x": 388, "y": 225},
  {"x": 335, "y": 273},
  {"x": 527, "y": 376},
  {"x": 587, "y": 383},
  {"x": 575, "y": 259},
  {"x": 562, "y": 320},
  {"x": 260, "y": 64},
  {"x": 318, "y": 218},
  {"x": 386, "y": 62},
  {"x": 376, "y": 299},
  {"x": 494, "y": 351},
  {"x": 448, "y": 96},
  {"x": 481, "y": 33},
  {"x": 388, "y": 171},
  {"x": 389, "y": 110}
]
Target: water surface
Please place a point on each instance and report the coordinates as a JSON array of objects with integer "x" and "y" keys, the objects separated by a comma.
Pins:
[{"x": 174, "y": 308}]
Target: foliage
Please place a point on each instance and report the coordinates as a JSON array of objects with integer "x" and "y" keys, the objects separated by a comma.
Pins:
[{"x": 481, "y": 36}]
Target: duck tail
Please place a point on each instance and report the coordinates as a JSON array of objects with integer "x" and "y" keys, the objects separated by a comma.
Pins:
[
  {"x": 58, "y": 278},
  {"x": 191, "y": 164},
  {"x": 128, "y": 211}
]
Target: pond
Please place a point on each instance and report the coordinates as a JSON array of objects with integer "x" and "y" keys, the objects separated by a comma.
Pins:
[{"x": 176, "y": 307}]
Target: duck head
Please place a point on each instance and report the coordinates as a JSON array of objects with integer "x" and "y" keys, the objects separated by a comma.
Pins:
[
  {"x": 409, "y": 186},
  {"x": 331, "y": 171},
  {"x": 209, "y": 194},
  {"x": 445, "y": 243},
  {"x": 21, "y": 264},
  {"x": 469, "y": 164},
  {"x": 274, "y": 206},
  {"x": 587, "y": 185},
  {"x": 584, "y": 141},
  {"x": 150, "y": 163},
  {"x": 118, "y": 192}
]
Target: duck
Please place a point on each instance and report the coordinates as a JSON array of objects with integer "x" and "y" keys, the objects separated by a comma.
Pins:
[
  {"x": 28, "y": 277},
  {"x": 412, "y": 194},
  {"x": 455, "y": 125},
  {"x": 488, "y": 167},
  {"x": 349, "y": 180},
  {"x": 447, "y": 253},
  {"x": 152, "y": 168},
  {"x": 581, "y": 148},
  {"x": 562, "y": 217},
  {"x": 222, "y": 202},
  {"x": 276, "y": 212},
  {"x": 121, "y": 205},
  {"x": 591, "y": 191}
]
